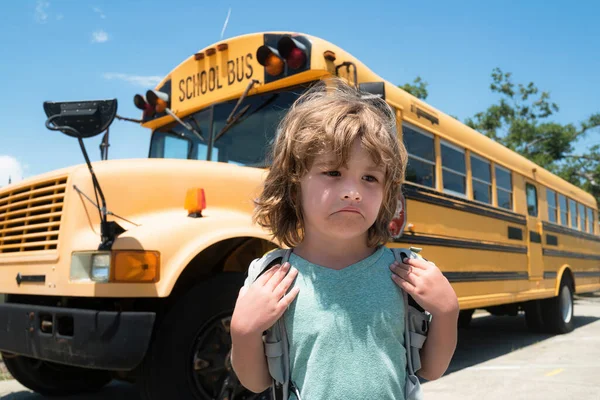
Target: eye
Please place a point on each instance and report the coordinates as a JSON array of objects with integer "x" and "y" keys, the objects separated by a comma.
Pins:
[
  {"x": 370, "y": 178},
  {"x": 332, "y": 173}
]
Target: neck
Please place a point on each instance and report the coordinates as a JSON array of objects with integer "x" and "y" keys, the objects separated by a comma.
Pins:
[{"x": 334, "y": 254}]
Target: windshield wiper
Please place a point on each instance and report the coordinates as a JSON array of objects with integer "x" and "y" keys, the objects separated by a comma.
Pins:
[
  {"x": 237, "y": 118},
  {"x": 233, "y": 117},
  {"x": 187, "y": 126}
]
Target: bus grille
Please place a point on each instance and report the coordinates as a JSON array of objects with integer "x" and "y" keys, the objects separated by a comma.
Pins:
[{"x": 30, "y": 216}]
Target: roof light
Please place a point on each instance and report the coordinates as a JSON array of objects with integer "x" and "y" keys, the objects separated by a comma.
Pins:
[
  {"x": 141, "y": 103},
  {"x": 158, "y": 100},
  {"x": 270, "y": 59},
  {"x": 293, "y": 51}
]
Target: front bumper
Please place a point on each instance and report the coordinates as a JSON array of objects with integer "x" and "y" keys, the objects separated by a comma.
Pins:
[{"x": 85, "y": 338}]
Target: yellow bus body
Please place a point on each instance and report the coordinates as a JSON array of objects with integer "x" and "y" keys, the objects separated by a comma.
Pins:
[{"x": 156, "y": 192}]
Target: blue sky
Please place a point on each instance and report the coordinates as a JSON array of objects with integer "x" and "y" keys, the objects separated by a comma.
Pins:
[{"x": 74, "y": 50}]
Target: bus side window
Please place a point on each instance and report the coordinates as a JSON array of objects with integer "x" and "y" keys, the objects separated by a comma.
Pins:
[
  {"x": 562, "y": 202},
  {"x": 590, "y": 219},
  {"x": 573, "y": 212},
  {"x": 504, "y": 187},
  {"x": 481, "y": 172},
  {"x": 552, "y": 206},
  {"x": 532, "y": 202},
  {"x": 454, "y": 169},
  {"x": 421, "y": 156},
  {"x": 582, "y": 219}
]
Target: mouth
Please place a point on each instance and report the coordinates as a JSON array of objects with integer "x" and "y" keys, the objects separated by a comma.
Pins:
[{"x": 351, "y": 210}]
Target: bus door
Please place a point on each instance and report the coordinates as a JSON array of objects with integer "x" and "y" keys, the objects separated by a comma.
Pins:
[{"x": 534, "y": 237}]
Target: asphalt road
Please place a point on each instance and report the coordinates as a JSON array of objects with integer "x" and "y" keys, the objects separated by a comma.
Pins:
[{"x": 496, "y": 359}]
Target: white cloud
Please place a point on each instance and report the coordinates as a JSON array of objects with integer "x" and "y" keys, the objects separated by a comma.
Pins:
[
  {"x": 99, "y": 12},
  {"x": 10, "y": 168},
  {"x": 143, "y": 81},
  {"x": 99, "y": 36},
  {"x": 41, "y": 16}
]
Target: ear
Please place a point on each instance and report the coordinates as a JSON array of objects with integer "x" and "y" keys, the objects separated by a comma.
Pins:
[{"x": 398, "y": 222}]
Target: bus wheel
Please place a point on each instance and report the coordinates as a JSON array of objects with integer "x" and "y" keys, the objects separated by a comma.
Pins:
[
  {"x": 189, "y": 356},
  {"x": 557, "y": 312},
  {"x": 533, "y": 316},
  {"x": 51, "y": 379},
  {"x": 464, "y": 318}
]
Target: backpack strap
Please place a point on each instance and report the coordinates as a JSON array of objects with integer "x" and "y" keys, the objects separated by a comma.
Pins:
[
  {"x": 416, "y": 322},
  {"x": 275, "y": 338}
]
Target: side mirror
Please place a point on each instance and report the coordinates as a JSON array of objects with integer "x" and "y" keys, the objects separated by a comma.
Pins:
[
  {"x": 80, "y": 119},
  {"x": 374, "y": 88}
]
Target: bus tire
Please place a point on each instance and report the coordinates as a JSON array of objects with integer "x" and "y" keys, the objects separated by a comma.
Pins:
[
  {"x": 464, "y": 318},
  {"x": 189, "y": 355},
  {"x": 557, "y": 312},
  {"x": 533, "y": 316},
  {"x": 51, "y": 379}
]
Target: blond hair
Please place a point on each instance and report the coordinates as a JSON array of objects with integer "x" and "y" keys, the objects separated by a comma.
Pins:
[{"x": 328, "y": 118}]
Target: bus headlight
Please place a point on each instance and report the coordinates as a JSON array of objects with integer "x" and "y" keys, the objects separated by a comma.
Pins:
[
  {"x": 134, "y": 266},
  {"x": 100, "y": 271}
]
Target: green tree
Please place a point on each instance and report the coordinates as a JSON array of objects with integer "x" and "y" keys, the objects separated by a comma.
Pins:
[
  {"x": 418, "y": 88},
  {"x": 520, "y": 121}
]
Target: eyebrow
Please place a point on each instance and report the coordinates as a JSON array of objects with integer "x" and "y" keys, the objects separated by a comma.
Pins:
[
  {"x": 325, "y": 164},
  {"x": 376, "y": 168}
]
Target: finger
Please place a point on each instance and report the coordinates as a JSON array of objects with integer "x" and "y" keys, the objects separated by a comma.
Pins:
[
  {"x": 265, "y": 276},
  {"x": 404, "y": 284},
  {"x": 416, "y": 262},
  {"x": 285, "y": 284},
  {"x": 409, "y": 269},
  {"x": 278, "y": 276},
  {"x": 406, "y": 275},
  {"x": 288, "y": 298}
]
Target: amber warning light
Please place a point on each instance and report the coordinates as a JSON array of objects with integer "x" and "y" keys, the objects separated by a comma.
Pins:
[
  {"x": 195, "y": 202},
  {"x": 289, "y": 51}
]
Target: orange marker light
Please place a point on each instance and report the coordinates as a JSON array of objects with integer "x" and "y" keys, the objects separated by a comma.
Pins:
[
  {"x": 195, "y": 202},
  {"x": 135, "y": 266},
  {"x": 270, "y": 59},
  {"x": 273, "y": 65},
  {"x": 161, "y": 105}
]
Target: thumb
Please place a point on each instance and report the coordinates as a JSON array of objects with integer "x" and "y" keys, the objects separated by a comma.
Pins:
[{"x": 243, "y": 291}]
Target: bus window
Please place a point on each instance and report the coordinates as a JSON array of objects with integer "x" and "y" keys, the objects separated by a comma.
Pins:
[
  {"x": 562, "y": 201},
  {"x": 582, "y": 219},
  {"x": 454, "y": 169},
  {"x": 552, "y": 208},
  {"x": 482, "y": 179},
  {"x": 573, "y": 212},
  {"x": 176, "y": 147},
  {"x": 590, "y": 218},
  {"x": 504, "y": 187},
  {"x": 532, "y": 203},
  {"x": 421, "y": 156},
  {"x": 248, "y": 140}
]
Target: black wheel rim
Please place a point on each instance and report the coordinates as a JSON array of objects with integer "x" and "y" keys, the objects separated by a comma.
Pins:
[{"x": 212, "y": 374}]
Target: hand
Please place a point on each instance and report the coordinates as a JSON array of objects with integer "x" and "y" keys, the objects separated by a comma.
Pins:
[
  {"x": 259, "y": 306},
  {"x": 426, "y": 284}
]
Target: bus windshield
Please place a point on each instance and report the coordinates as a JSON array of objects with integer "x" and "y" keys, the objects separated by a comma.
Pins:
[{"x": 244, "y": 142}]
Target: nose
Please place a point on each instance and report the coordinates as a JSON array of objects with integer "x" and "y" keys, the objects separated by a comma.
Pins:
[{"x": 351, "y": 195}]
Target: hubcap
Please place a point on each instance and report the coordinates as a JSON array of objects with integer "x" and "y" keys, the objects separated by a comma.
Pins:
[
  {"x": 211, "y": 369},
  {"x": 566, "y": 304}
]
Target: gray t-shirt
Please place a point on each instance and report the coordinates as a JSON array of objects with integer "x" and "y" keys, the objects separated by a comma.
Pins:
[{"x": 346, "y": 331}]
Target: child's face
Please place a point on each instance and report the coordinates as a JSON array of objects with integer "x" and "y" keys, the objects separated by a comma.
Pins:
[{"x": 342, "y": 203}]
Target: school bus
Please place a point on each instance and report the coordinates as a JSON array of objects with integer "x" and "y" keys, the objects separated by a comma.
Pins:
[{"x": 139, "y": 283}]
